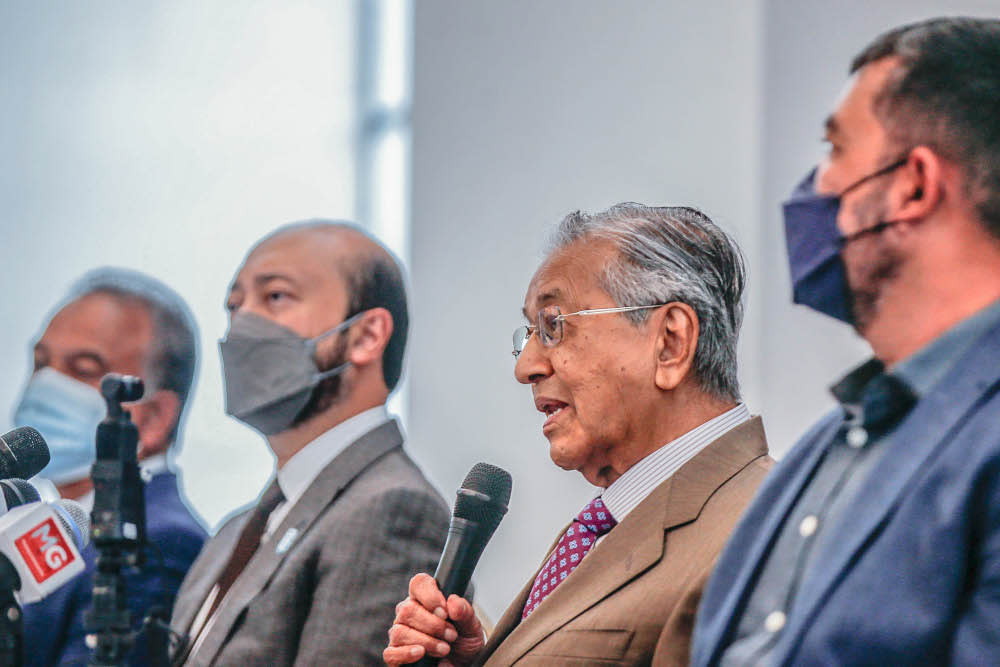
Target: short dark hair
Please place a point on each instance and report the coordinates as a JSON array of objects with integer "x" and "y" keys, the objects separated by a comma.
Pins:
[
  {"x": 376, "y": 281},
  {"x": 945, "y": 94}
]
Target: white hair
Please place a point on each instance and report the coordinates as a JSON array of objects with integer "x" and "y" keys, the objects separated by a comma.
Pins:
[{"x": 672, "y": 253}]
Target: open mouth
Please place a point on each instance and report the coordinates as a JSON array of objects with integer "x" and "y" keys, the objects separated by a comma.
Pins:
[{"x": 551, "y": 409}]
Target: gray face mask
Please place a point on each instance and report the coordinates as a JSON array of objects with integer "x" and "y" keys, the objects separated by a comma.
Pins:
[{"x": 270, "y": 371}]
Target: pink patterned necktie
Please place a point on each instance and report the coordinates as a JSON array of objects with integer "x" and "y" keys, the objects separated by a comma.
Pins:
[{"x": 593, "y": 521}]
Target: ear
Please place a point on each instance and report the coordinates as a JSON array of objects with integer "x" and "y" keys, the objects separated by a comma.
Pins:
[
  {"x": 155, "y": 417},
  {"x": 369, "y": 337},
  {"x": 920, "y": 186},
  {"x": 676, "y": 342}
]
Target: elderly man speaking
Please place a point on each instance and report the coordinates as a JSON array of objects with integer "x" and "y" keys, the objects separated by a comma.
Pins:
[{"x": 630, "y": 352}]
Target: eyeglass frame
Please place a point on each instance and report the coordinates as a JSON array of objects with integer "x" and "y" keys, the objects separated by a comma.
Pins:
[{"x": 530, "y": 329}]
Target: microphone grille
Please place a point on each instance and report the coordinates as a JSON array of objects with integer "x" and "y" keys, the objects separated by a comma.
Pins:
[
  {"x": 490, "y": 480},
  {"x": 29, "y": 448},
  {"x": 484, "y": 496},
  {"x": 18, "y": 492},
  {"x": 80, "y": 527}
]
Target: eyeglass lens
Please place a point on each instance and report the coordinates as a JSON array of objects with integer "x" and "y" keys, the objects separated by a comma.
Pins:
[{"x": 549, "y": 328}]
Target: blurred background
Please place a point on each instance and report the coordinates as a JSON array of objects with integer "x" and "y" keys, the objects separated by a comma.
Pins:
[{"x": 169, "y": 136}]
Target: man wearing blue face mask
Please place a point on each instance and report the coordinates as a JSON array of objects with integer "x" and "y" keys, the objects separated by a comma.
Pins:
[
  {"x": 877, "y": 539},
  {"x": 121, "y": 321},
  {"x": 311, "y": 574}
]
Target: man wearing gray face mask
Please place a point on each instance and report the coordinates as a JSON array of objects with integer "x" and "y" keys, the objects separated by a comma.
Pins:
[{"x": 311, "y": 573}]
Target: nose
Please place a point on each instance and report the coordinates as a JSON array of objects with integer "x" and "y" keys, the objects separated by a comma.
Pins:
[
  {"x": 822, "y": 183},
  {"x": 533, "y": 363}
]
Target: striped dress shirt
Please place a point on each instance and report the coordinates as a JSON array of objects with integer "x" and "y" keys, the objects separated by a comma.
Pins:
[{"x": 626, "y": 492}]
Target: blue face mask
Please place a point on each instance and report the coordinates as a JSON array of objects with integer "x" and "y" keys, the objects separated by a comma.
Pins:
[
  {"x": 814, "y": 243},
  {"x": 66, "y": 412}
]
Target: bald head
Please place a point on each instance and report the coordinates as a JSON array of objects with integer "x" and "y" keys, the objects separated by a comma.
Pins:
[{"x": 309, "y": 276}]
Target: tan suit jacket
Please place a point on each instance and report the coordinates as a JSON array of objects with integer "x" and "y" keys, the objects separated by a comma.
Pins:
[{"x": 633, "y": 598}]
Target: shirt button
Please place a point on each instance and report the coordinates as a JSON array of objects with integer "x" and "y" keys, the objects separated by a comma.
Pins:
[
  {"x": 774, "y": 621},
  {"x": 808, "y": 526},
  {"x": 857, "y": 437}
]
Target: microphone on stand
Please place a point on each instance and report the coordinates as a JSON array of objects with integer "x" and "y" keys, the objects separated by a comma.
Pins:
[
  {"x": 40, "y": 547},
  {"x": 23, "y": 453},
  {"x": 17, "y": 492}
]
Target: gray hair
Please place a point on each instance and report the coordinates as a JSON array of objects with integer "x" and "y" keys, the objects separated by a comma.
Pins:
[
  {"x": 672, "y": 253},
  {"x": 172, "y": 360}
]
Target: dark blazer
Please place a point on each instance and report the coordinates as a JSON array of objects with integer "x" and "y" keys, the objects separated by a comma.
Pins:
[
  {"x": 636, "y": 593},
  {"x": 323, "y": 589},
  {"x": 53, "y": 627},
  {"x": 912, "y": 574}
]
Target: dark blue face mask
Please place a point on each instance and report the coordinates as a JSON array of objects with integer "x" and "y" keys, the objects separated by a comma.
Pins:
[{"x": 814, "y": 244}]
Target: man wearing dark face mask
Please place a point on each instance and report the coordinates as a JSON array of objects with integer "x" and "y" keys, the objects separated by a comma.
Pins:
[
  {"x": 877, "y": 539},
  {"x": 310, "y": 575}
]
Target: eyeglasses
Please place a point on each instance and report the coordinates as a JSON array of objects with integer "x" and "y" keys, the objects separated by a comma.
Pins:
[{"x": 549, "y": 325}]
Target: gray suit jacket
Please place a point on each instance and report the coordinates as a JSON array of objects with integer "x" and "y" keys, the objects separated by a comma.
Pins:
[
  {"x": 632, "y": 600},
  {"x": 323, "y": 589}
]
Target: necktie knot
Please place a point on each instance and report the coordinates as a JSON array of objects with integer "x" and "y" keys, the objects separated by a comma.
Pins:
[{"x": 596, "y": 518}]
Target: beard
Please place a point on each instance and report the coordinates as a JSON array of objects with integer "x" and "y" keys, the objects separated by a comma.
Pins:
[
  {"x": 329, "y": 391},
  {"x": 872, "y": 263}
]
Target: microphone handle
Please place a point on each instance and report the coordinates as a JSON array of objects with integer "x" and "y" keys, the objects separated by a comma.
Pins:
[{"x": 458, "y": 560}]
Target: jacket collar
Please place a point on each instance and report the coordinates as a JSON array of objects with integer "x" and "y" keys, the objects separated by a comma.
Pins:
[{"x": 630, "y": 548}]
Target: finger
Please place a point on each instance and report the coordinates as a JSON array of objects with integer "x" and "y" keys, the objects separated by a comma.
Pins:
[
  {"x": 464, "y": 617},
  {"x": 403, "y": 637},
  {"x": 425, "y": 590},
  {"x": 402, "y": 655},
  {"x": 411, "y": 614}
]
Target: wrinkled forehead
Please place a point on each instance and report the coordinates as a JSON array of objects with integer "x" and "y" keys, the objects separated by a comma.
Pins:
[{"x": 570, "y": 276}]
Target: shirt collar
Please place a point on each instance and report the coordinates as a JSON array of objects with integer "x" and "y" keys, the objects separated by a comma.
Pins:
[
  {"x": 636, "y": 483},
  {"x": 300, "y": 470}
]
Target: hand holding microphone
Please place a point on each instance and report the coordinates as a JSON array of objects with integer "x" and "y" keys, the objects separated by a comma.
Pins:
[{"x": 422, "y": 626}]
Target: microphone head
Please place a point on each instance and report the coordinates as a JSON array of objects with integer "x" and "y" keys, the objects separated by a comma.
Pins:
[
  {"x": 75, "y": 519},
  {"x": 18, "y": 492},
  {"x": 28, "y": 449},
  {"x": 484, "y": 495}
]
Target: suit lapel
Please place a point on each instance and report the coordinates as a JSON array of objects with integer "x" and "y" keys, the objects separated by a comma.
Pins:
[
  {"x": 201, "y": 578},
  {"x": 321, "y": 493},
  {"x": 932, "y": 422},
  {"x": 630, "y": 548}
]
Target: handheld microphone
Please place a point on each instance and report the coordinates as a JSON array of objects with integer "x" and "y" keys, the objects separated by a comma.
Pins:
[
  {"x": 42, "y": 542},
  {"x": 23, "y": 453},
  {"x": 479, "y": 507}
]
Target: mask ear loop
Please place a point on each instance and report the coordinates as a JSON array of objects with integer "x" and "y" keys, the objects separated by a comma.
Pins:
[
  {"x": 337, "y": 329},
  {"x": 336, "y": 370}
]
